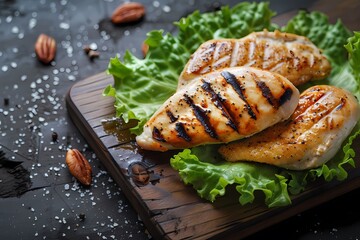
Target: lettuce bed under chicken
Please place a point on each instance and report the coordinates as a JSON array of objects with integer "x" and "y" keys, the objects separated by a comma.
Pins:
[{"x": 142, "y": 85}]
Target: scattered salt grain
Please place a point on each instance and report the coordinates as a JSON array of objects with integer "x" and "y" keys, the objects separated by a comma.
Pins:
[
  {"x": 15, "y": 30},
  {"x": 166, "y": 9},
  {"x": 156, "y": 4},
  {"x": 64, "y": 25},
  {"x": 4, "y": 68},
  {"x": 63, "y": 2},
  {"x": 93, "y": 46},
  {"x": 13, "y": 64},
  {"x": 21, "y": 35},
  {"x": 32, "y": 23},
  {"x": 8, "y": 19}
]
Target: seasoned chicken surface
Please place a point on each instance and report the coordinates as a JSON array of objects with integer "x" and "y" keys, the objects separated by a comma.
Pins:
[
  {"x": 220, "y": 107},
  {"x": 295, "y": 57},
  {"x": 322, "y": 120}
]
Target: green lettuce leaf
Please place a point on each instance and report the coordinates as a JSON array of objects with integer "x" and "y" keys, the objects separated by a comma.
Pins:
[
  {"x": 142, "y": 85},
  {"x": 210, "y": 176},
  {"x": 353, "y": 66},
  {"x": 210, "y": 179},
  {"x": 236, "y": 22}
]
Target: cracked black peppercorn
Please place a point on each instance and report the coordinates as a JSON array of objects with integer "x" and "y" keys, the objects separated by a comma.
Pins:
[
  {"x": 54, "y": 136},
  {"x": 82, "y": 216},
  {"x": 6, "y": 101}
]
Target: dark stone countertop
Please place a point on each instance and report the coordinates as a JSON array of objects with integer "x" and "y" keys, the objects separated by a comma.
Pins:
[{"x": 32, "y": 108}]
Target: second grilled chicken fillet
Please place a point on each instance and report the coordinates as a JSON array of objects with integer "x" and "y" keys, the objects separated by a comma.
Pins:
[
  {"x": 295, "y": 57},
  {"x": 220, "y": 107},
  {"x": 323, "y": 119}
]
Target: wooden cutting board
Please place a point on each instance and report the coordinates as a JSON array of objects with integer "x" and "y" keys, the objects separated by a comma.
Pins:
[{"x": 170, "y": 209}]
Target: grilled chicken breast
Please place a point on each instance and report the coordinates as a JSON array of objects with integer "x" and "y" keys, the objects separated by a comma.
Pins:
[
  {"x": 322, "y": 120},
  {"x": 220, "y": 107},
  {"x": 295, "y": 57}
]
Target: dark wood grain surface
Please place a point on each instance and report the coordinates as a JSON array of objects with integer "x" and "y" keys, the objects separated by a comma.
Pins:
[{"x": 169, "y": 208}]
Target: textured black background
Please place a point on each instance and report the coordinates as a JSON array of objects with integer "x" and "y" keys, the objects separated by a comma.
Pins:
[{"x": 56, "y": 207}]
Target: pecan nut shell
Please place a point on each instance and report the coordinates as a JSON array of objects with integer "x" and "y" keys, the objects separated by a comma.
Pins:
[
  {"x": 79, "y": 166},
  {"x": 128, "y": 12},
  {"x": 45, "y": 48}
]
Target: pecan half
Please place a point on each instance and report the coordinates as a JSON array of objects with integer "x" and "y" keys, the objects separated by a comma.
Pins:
[
  {"x": 45, "y": 48},
  {"x": 139, "y": 174},
  {"x": 128, "y": 12},
  {"x": 78, "y": 166}
]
